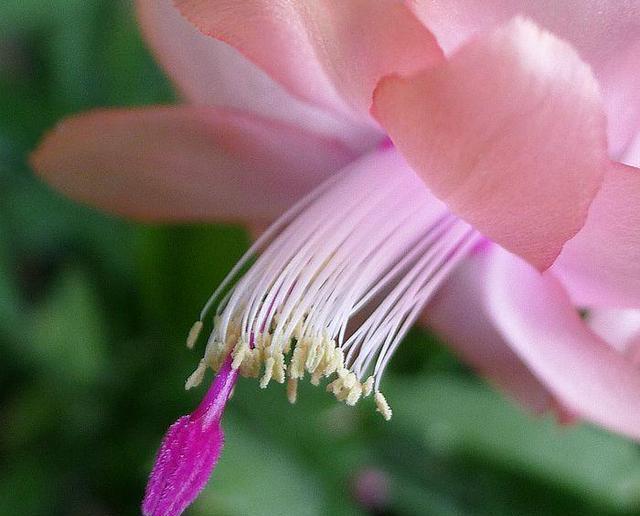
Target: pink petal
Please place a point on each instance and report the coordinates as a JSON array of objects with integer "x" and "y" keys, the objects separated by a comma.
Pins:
[
  {"x": 537, "y": 319},
  {"x": 600, "y": 266},
  {"x": 189, "y": 452},
  {"x": 329, "y": 51},
  {"x": 620, "y": 328},
  {"x": 632, "y": 154},
  {"x": 459, "y": 316},
  {"x": 509, "y": 133},
  {"x": 208, "y": 71},
  {"x": 605, "y": 33},
  {"x": 185, "y": 163}
]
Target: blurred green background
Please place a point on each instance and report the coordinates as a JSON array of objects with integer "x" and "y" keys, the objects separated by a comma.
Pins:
[{"x": 93, "y": 314}]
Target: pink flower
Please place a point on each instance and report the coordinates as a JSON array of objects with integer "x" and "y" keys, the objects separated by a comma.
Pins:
[{"x": 507, "y": 200}]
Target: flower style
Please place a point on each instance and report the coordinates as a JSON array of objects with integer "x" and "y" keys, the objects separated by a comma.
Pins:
[{"x": 466, "y": 164}]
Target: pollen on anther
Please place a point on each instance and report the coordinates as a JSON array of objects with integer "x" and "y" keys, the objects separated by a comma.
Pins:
[
  {"x": 197, "y": 376},
  {"x": 239, "y": 353},
  {"x": 292, "y": 390},
  {"x": 367, "y": 387},
  {"x": 194, "y": 333},
  {"x": 354, "y": 394},
  {"x": 382, "y": 406},
  {"x": 269, "y": 364}
]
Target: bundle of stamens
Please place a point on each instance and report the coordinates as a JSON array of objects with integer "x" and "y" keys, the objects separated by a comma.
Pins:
[{"x": 336, "y": 284}]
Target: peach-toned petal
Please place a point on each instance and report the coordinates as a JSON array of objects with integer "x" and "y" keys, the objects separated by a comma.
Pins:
[
  {"x": 600, "y": 266},
  {"x": 458, "y": 314},
  {"x": 605, "y": 33},
  {"x": 208, "y": 71},
  {"x": 185, "y": 163},
  {"x": 538, "y": 320},
  {"x": 329, "y": 52},
  {"x": 509, "y": 133}
]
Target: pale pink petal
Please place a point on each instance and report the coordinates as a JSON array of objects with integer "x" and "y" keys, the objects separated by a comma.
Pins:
[
  {"x": 185, "y": 163},
  {"x": 619, "y": 327},
  {"x": 632, "y": 153},
  {"x": 536, "y": 317},
  {"x": 458, "y": 314},
  {"x": 330, "y": 52},
  {"x": 600, "y": 266},
  {"x": 208, "y": 71},
  {"x": 605, "y": 33},
  {"x": 509, "y": 134}
]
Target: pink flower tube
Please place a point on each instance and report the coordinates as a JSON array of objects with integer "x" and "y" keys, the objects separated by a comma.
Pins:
[{"x": 469, "y": 164}]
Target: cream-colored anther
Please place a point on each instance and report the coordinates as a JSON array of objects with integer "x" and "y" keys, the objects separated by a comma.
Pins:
[
  {"x": 197, "y": 376},
  {"x": 292, "y": 390},
  {"x": 382, "y": 406},
  {"x": 238, "y": 353},
  {"x": 342, "y": 394},
  {"x": 316, "y": 377},
  {"x": 335, "y": 386},
  {"x": 354, "y": 394},
  {"x": 367, "y": 387},
  {"x": 279, "y": 368},
  {"x": 297, "y": 331},
  {"x": 298, "y": 359},
  {"x": 250, "y": 367},
  {"x": 336, "y": 363},
  {"x": 194, "y": 333},
  {"x": 314, "y": 362},
  {"x": 349, "y": 381},
  {"x": 286, "y": 348},
  {"x": 310, "y": 363},
  {"x": 268, "y": 372}
]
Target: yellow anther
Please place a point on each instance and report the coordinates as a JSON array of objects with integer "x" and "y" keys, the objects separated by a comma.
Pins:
[
  {"x": 292, "y": 390},
  {"x": 354, "y": 394},
  {"x": 268, "y": 372},
  {"x": 382, "y": 406},
  {"x": 271, "y": 357},
  {"x": 196, "y": 377},
  {"x": 194, "y": 333}
]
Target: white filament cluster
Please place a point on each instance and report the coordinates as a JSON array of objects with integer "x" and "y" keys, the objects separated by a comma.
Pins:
[{"x": 337, "y": 282}]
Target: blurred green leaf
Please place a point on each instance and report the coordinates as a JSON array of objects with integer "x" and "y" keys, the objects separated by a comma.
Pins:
[
  {"x": 255, "y": 477},
  {"x": 68, "y": 333},
  {"x": 456, "y": 417}
]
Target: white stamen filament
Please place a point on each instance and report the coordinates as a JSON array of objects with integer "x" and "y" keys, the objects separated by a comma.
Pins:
[{"x": 338, "y": 281}]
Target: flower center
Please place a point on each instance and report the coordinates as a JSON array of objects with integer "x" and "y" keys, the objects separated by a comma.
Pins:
[{"x": 336, "y": 282}]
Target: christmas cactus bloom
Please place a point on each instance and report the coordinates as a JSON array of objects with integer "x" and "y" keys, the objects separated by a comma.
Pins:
[{"x": 470, "y": 165}]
